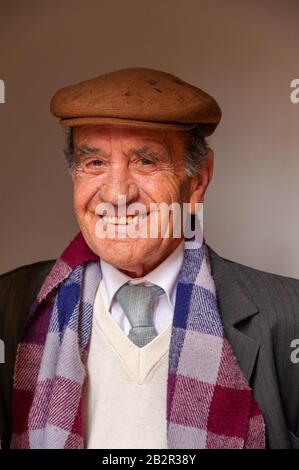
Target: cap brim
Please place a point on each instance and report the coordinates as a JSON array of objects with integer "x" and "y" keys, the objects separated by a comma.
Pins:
[{"x": 85, "y": 121}]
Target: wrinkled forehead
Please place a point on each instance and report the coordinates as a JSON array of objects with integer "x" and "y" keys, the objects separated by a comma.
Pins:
[{"x": 96, "y": 133}]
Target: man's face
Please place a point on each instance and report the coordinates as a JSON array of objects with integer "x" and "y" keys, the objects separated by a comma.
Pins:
[{"x": 141, "y": 166}]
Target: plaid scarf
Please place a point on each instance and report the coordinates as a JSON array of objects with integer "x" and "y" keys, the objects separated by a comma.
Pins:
[{"x": 209, "y": 402}]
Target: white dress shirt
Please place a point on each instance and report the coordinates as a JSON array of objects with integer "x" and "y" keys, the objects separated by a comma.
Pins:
[{"x": 165, "y": 275}]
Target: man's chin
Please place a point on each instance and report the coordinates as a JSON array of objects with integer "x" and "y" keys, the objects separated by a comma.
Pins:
[{"x": 125, "y": 252}]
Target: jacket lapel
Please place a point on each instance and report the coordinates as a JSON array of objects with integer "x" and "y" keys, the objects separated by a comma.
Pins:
[{"x": 235, "y": 307}]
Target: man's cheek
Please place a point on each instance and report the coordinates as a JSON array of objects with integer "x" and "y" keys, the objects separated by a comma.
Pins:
[
  {"x": 82, "y": 195},
  {"x": 80, "y": 210},
  {"x": 77, "y": 206}
]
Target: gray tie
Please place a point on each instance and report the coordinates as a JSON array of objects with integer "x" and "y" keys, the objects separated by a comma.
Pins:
[{"x": 137, "y": 302}]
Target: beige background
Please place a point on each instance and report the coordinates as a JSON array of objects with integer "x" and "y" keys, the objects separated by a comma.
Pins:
[{"x": 245, "y": 53}]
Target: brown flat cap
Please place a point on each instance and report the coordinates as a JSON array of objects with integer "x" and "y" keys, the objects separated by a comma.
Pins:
[{"x": 137, "y": 97}]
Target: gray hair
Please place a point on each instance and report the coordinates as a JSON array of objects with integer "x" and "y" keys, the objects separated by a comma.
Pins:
[
  {"x": 195, "y": 156},
  {"x": 69, "y": 151},
  {"x": 196, "y": 150}
]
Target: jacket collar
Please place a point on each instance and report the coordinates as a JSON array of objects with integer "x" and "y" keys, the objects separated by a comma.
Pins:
[{"x": 235, "y": 307}]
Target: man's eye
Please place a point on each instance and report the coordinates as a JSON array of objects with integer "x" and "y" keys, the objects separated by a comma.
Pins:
[
  {"x": 145, "y": 161},
  {"x": 95, "y": 163}
]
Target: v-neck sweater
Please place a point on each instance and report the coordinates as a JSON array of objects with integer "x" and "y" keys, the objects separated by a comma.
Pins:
[{"x": 126, "y": 386}]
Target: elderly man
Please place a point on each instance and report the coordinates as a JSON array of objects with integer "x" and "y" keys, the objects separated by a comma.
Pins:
[{"x": 139, "y": 336}]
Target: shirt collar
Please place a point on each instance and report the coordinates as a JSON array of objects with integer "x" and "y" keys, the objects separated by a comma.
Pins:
[{"x": 165, "y": 275}]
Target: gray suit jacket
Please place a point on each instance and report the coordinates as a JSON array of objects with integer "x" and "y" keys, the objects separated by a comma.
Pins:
[{"x": 260, "y": 312}]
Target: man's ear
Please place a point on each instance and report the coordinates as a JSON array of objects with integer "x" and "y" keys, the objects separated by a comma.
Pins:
[{"x": 201, "y": 181}]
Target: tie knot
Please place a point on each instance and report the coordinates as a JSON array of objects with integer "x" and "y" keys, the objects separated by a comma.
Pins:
[{"x": 137, "y": 301}]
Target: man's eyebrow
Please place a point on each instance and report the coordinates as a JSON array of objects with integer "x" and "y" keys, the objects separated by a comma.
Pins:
[
  {"x": 88, "y": 150},
  {"x": 146, "y": 152}
]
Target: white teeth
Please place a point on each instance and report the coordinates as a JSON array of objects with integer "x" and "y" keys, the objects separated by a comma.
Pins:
[{"x": 130, "y": 219}]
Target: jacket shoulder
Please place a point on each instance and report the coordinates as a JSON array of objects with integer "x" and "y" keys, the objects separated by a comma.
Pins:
[
  {"x": 252, "y": 274},
  {"x": 20, "y": 285},
  {"x": 264, "y": 282},
  {"x": 26, "y": 274},
  {"x": 271, "y": 293},
  {"x": 28, "y": 269}
]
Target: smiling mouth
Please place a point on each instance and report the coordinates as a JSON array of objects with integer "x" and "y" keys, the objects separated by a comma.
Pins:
[{"x": 124, "y": 220}]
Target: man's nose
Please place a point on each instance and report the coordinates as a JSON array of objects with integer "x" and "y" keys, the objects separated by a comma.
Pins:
[{"x": 118, "y": 183}]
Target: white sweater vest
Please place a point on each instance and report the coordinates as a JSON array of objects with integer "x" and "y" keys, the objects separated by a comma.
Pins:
[{"x": 126, "y": 386}]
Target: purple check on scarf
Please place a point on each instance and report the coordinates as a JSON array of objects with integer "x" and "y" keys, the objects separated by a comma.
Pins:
[{"x": 209, "y": 402}]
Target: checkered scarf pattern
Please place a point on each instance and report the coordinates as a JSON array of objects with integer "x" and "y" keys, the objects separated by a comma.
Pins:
[{"x": 209, "y": 403}]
